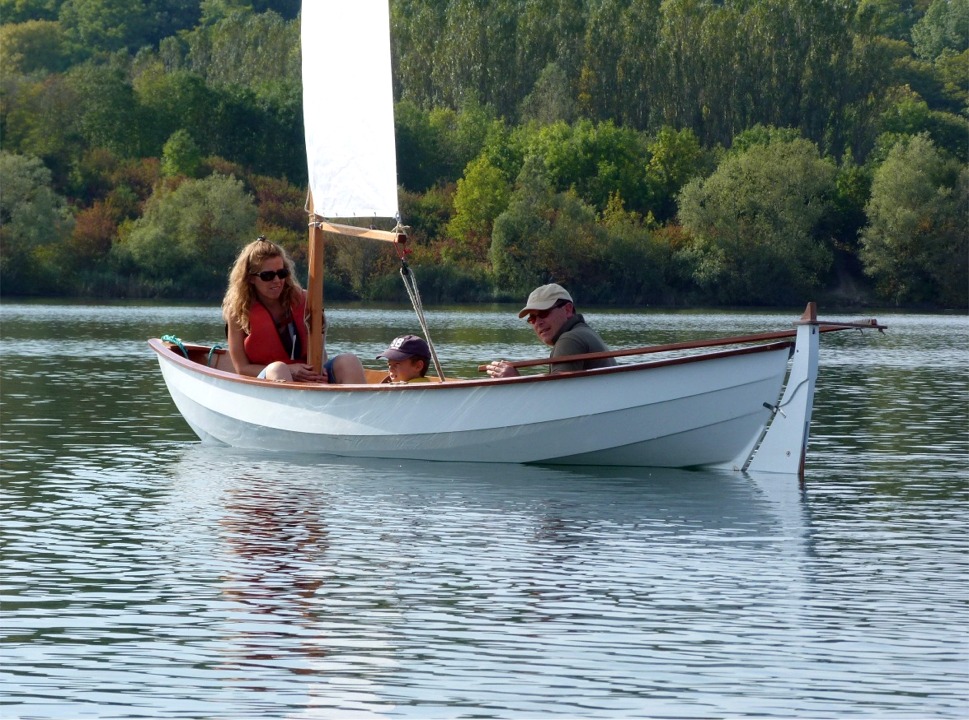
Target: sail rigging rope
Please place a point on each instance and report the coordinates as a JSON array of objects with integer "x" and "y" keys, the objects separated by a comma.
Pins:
[{"x": 410, "y": 282}]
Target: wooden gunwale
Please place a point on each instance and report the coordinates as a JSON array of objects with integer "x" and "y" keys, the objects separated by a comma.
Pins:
[
  {"x": 686, "y": 345},
  {"x": 161, "y": 347}
]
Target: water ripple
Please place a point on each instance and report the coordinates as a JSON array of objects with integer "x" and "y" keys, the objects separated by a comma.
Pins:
[{"x": 148, "y": 576}]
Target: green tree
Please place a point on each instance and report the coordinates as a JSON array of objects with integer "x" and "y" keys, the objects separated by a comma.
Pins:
[
  {"x": 41, "y": 120},
  {"x": 600, "y": 80},
  {"x": 679, "y": 50},
  {"x": 574, "y": 250},
  {"x": 517, "y": 230},
  {"x": 107, "y": 111},
  {"x": 944, "y": 27},
  {"x": 763, "y": 135},
  {"x": 258, "y": 51},
  {"x": 891, "y": 18},
  {"x": 481, "y": 196},
  {"x": 416, "y": 27},
  {"x": 544, "y": 236},
  {"x": 214, "y": 11},
  {"x": 638, "y": 71},
  {"x": 33, "y": 46},
  {"x": 596, "y": 159},
  {"x": 550, "y": 99},
  {"x": 181, "y": 99},
  {"x": 475, "y": 55},
  {"x": 550, "y": 31},
  {"x": 419, "y": 147},
  {"x": 96, "y": 26},
  {"x": 428, "y": 215},
  {"x": 230, "y": 121},
  {"x": 188, "y": 237},
  {"x": 460, "y": 135},
  {"x": 951, "y": 71},
  {"x": 909, "y": 114},
  {"x": 506, "y": 148},
  {"x": 18, "y": 11},
  {"x": 915, "y": 245},
  {"x": 675, "y": 157},
  {"x": 35, "y": 222},
  {"x": 852, "y": 189},
  {"x": 434, "y": 146},
  {"x": 754, "y": 223},
  {"x": 180, "y": 155},
  {"x": 638, "y": 264},
  {"x": 105, "y": 25}
]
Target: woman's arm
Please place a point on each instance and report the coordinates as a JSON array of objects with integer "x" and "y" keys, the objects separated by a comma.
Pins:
[{"x": 237, "y": 352}]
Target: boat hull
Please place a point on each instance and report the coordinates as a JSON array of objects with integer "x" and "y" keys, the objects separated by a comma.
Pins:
[{"x": 705, "y": 411}]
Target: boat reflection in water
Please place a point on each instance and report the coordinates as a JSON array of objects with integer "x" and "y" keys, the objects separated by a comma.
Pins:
[{"x": 382, "y": 579}]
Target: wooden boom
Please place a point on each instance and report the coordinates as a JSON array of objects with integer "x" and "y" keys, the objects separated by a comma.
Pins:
[{"x": 369, "y": 233}]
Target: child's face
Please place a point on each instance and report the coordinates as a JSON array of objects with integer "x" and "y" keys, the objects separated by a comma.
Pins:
[{"x": 404, "y": 370}]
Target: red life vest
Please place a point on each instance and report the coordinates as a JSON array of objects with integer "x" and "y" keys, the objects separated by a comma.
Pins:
[{"x": 263, "y": 345}]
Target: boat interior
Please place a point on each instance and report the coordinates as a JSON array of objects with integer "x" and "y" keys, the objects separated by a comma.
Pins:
[{"x": 218, "y": 358}]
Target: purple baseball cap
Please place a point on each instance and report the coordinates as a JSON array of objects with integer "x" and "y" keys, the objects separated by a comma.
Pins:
[{"x": 404, "y": 347}]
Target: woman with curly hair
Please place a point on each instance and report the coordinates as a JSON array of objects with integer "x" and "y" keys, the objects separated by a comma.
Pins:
[{"x": 264, "y": 308}]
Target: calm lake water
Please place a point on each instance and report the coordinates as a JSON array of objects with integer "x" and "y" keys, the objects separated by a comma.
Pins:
[{"x": 147, "y": 576}]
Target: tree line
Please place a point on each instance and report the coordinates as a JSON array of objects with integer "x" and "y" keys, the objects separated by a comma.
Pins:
[{"x": 662, "y": 152}]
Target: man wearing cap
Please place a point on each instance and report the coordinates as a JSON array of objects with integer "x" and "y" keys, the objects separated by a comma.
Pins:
[
  {"x": 408, "y": 358},
  {"x": 551, "y": 313}
]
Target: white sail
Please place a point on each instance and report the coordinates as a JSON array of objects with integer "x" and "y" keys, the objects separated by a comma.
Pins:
[{"x": 348, "y": 109}]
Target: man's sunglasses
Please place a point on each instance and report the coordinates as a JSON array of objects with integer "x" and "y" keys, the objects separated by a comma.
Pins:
[
  {"x": 267, "y": 275},
  {"x": 542, "y": 314}
]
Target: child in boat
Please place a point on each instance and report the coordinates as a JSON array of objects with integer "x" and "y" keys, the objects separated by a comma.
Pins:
[{"x": 408, "y": 359}]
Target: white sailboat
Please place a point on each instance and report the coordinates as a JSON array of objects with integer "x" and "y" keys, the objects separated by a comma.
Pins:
[{"x": 741, "y": 403}]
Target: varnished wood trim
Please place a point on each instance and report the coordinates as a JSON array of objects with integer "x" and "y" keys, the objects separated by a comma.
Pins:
[
  {"x": 688, "y": 345},
  {"x": 173, "y": 355},
  {"x": 369, "y": 233}
]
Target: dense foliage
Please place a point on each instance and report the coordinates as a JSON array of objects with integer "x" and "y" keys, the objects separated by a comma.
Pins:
[{"x": 641, "y": 151}]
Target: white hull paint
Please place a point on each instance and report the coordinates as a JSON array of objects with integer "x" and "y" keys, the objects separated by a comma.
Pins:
[{"x": 710, "y": 410}]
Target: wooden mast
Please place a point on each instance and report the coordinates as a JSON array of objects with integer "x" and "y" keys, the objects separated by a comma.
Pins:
[
  {"x": 314, "y": 291},
  {"x": 316, "y": 354}
]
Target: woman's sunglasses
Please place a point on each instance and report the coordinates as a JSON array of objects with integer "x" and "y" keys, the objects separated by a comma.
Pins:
[{"x": 267, "y": 275}]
